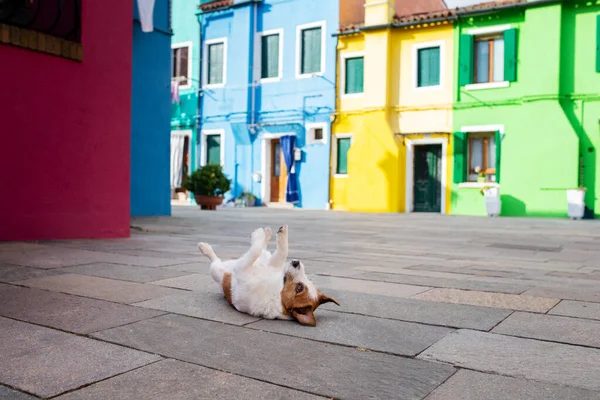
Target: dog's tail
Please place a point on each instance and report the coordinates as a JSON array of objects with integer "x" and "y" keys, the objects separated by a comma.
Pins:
[{"x": 208, "y": 251}]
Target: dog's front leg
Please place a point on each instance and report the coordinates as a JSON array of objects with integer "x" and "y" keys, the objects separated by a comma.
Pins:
[
  {"x": 278, "y": 258},
  {"x": 258, "y": 242}
]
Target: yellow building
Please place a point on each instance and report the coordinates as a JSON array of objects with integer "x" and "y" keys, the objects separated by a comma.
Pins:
[{"x": 391, "y": 135}]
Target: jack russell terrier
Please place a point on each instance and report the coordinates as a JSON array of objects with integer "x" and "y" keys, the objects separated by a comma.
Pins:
[{"x": 264, "y": 285}]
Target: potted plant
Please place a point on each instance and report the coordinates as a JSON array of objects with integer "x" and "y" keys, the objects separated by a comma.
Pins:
[
  {"x": 208, "y": 184},
  {"x": 249, "y": 199},
  {"x": 492, "y": 200},
  {"x": 480, "y": 174},
  {"x": 576, "y": 202}
]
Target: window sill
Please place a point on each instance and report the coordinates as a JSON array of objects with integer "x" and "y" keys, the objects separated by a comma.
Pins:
[
  {"x": 487, "y": 85},
  {"x": 340, "y": 175},
  {"x": 427, "y": 88},
  {"x": 477, "y": 185},
  {"x": 214, "y": 86},
  {"x": 311, "y": 142},
  {"x": 311, "y": 75},
  {"x": 352, "y": 96},
  {"x": 270, "y": 80}
]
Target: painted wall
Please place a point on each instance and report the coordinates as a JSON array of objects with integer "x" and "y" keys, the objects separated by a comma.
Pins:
[
  {"x": 284, "y": 106},
  {"x": 150, "y": 114},
  {"x": 539, "y": 157},
  {"x": 66, "y": 146},
  {"x": 186, "y": 29}
]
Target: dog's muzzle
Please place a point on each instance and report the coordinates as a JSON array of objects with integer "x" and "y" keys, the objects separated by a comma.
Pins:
[{"x": 295, "y": 263}]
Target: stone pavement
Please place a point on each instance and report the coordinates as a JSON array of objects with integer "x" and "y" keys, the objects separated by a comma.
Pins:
[{"x": 432, "y": 307}]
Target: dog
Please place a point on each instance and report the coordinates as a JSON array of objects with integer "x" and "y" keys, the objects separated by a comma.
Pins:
[{"x": 265, "y": 285}]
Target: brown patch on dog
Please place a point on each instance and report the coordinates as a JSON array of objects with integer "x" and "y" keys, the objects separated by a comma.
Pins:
[
  {"x": 297, "y": 302},
  {"x": 227, "y": 287}
]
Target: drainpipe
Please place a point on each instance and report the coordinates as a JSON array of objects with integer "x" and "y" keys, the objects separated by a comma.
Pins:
[
  {"x": 332, "y": 121},
  {"x": 253, "y": 88},
  {"x": 200, "y": 93}
]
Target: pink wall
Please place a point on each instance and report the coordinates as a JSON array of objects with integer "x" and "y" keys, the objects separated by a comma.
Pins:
[{"x": 65, "y": 133}]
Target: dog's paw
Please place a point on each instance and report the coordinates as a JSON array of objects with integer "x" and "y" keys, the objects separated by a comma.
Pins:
[
  {"x": 268, "y": 234},
  {"x": 205, "y": 248},
  {"x": 283, "y": 229},
  {"x": 258, "y": 236},
  {"x": 282, "y": 235}
]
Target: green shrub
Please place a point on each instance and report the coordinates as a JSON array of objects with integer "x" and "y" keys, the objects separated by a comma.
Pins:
[{"x": 208, "y": 181}]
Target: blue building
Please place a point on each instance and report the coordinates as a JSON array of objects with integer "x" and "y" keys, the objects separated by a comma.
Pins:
[
  {"x": 185, "y": 73},
  {"x": 150, "y": 113},
  {"x": 268, "y": 94}
]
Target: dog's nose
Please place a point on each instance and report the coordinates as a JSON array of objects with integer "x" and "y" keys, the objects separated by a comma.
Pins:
[{"x": 295, "y": 263}]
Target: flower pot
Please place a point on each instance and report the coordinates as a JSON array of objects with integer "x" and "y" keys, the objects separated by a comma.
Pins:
[
  {"x": 481, "y": 179},
  {"x": 492, "y": 201},
  {"x": 208, "y": 202},
  {"x": 576, "y": 203}
]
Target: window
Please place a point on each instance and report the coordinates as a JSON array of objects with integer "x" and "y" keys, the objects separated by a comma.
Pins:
[
  {"x": 216, "y": 62},
  {"x": 212, "y": 147},
  {"x": 428, "y": 66},
  {"x": 181, "y": 60},
  {"x": 482, "y": 157},
  {"x": 489, "y": 59},
  {"x": 315, "y": 133},
  {"x": 271, "y": 53},
  {"x": 310, "y": 49},
  {"x": 354, "y": 75},
  {"x": 341, "y": 151}
]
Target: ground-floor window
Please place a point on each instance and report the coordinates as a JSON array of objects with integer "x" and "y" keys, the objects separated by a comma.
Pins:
[
  {"x": 212, "y": 147},
  {"x": 342, "y": 146},
  {"x": 482, "y": 157}
]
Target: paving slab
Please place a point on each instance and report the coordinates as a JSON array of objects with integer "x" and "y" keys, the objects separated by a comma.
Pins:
[
  {"x": 566, "y": 293},
  {"x": 578, "y": 309},
  {"x": 555, "y": 328},
  {"x": 197, "y": 282},
  {"x": 444, "y": 282},
  {"x": 206, "y": 305},
  {"x": 487, "y": 299},
  {"x": 68, "y": 312},
  {"x": 46, "y": 362},
  {"x": 555, "y": 363},
  {"x": 177, "y": 380},
  {"x": 195, "y": 267},
  {"x": 403, "y": 338},
  {"x": 318, "y": 368},
  {"x": 412, "y": 310},
  {"x": 99, "y": 288},
  {"x": 471, "y": 385},
  {"x": 13, "y": 273},
  {"x": 362, "y": 286},
  {"x": 7, "y": 393},
  {"x": 123, "y": 272}
]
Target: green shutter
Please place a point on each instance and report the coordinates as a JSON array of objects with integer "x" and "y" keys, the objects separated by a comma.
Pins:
[
  {"x": 465, "y": 60},
  {"x": 213, "y": 149},
  {"x": 598, "y": 43},
  {"x": 460, "y": 157},
  {"x": 428, "y": 68},
  {"x": 510, "y": 55},
  {"x": 215, "y": 63},
  {"x": 355, "y": 68},
  {"x": 343, "y": 145},
  {"x": 270, "y": 56},
  {"x": 498, "y": 140},
  {"x": 311, "y": 51}
]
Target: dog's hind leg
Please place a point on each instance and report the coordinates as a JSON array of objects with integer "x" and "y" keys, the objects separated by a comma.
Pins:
[
  {"x": 217, "y": 268},
  {"x": 278, "y": 258},
  {"x": 207, "y": 250}
]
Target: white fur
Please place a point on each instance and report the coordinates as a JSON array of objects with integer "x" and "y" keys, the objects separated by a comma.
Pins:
[{"x": 257, "y": 276}]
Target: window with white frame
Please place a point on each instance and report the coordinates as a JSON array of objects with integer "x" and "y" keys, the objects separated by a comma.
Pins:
[
  {"x": 215, "y": 62},
  {"x": 341, "y": 147},
  {"x": 316, "y": 133},
  {"x": 271, "y": 52},
  {"x": 181, "y": 58},
  {"x": 489, "y": 58},
  {"x": 212, "y": 151},
  {"x": 353, "y": 67},
  {"x": 310, "y": 49}
]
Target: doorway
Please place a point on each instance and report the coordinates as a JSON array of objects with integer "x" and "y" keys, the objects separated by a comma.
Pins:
[
  {"x": 278, "y": 173},
  {"x": 427, "y": 178}
]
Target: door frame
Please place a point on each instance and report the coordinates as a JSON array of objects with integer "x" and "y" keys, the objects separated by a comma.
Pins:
[
  {"x": 265, "y": 164},
  {"x": 186, "y": 133},
  {"x": 410, "y": 164}
]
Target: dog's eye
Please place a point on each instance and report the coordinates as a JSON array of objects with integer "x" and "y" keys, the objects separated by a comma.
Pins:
[
  {"x": 299, "y": 288},
  {"x": 284, "y": 279}
]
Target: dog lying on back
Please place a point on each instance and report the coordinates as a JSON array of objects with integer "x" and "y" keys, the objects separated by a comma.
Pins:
[{"x": 264, "y": 285}]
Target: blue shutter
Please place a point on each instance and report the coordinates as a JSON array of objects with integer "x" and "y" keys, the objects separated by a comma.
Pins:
[
  {"x": 215, "y": 63},
  {"x": 311, "y": 51},
  {"x": 428, "y": 68},
  {"x": 270, "y": 56},
  {"x": 354, "y": 75}
]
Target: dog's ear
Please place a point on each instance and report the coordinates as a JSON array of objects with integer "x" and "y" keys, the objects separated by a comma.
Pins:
[
  {"x": 323, "y": 298},
  {"x": 305, "y": 319}
]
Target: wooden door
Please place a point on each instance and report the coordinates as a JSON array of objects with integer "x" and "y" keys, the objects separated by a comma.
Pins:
[
  {"x": 427, "y": 185},
  {"x": 278, "y": 173}
]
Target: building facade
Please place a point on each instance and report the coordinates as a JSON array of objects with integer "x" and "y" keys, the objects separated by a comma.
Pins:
[{"x": 268, "y": 93}]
